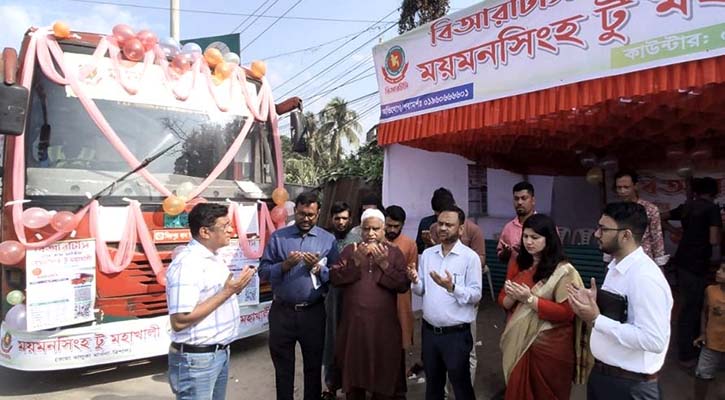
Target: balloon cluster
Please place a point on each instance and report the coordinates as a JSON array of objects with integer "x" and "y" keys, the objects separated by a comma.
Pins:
[
  {"x": 279, "y": 212},
  {"x": 134, "y": 45},
  {"x": 12, "y": 251}
]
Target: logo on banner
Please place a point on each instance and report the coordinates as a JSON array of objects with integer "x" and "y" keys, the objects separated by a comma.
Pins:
[
  {"x": 7, "y": 343},
  {"x": 395, "y": 65}
]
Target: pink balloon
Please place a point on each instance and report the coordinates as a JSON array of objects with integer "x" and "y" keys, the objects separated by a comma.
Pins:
[
  {"x": 36, "y": 218},
  {"x": 148, "y": 39},
  {"x": 133, "y": 49},
  {"x": 62, "y": 221},
  {"x": 279, "y": 216},
  {"x": 11, "y": 252},
  {"x": 180, "y": 63},
  {"x": 16, "y": 318},
  {"x": 122, "y": 33}
]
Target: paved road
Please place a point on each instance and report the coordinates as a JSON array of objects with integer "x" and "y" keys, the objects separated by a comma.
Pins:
[{"x": 252, "y": 375}]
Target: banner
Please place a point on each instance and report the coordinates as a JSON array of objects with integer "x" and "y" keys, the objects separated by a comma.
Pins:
[
  {"x": 61, "y": 284},
  {"x": 501, "y": 48}
]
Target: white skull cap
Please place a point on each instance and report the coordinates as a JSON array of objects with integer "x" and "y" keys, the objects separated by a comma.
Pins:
[{"x": 372, "y": 213}]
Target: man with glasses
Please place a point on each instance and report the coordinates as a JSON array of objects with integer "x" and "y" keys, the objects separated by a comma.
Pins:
[
  {"x": 630, "y": 348},
  {"x": 203, "y": 307},
  {"x": 295, "y": 262}
]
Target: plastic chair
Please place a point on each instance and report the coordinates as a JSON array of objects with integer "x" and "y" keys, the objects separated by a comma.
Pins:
[
  {"x": 564, "y": 234},
  {"x": 583, "y": 236},
  {"x": 487, "y": 272}
]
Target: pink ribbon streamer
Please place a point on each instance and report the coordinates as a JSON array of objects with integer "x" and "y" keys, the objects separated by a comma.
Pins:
[{"x": 264, "y": 221}]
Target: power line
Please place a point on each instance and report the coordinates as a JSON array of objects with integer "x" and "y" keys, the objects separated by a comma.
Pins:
[
  {"x": 236, "y": 14},
  {"x": 331, "y": 81},
  {"x": 249, "y": 16},
  {"x": 336, "y": 49},
  {"x": 333, "y": 65},
  {"x": 315, "y": 47},
  {"x": 272, "y": 24},
  {"x": 321, "y": 95},
  {"x": 258, "y": 17}
]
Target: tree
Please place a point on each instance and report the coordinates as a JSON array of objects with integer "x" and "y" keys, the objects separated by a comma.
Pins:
[
  {"x": 414, "y": 13},
  {"x": 337, "y": 122}
]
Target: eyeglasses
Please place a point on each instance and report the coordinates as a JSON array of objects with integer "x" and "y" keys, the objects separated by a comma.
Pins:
[
  {"x": 222, "y": 228},
  {"x": 301, "y": 215},
  {"x": 605, "y": 229}
]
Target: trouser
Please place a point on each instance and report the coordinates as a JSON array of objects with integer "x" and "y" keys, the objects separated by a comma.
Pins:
[
  {"x": 692, "y": 296},
  {"x": 447, "y": 354},
  {"x": 332, "y": 309},
  {"x": 288, "y": 326},
  {"x": 605, "y": 387},
  {"x": 472, "y": 362},
  {"x": 199, "y": 376}
]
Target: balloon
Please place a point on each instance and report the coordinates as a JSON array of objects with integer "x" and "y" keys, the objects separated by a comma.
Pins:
[
  {"x": 173, "y": 205},
  {"x": 133, "y": 49},
  {"x": 184, "y": 189},
  {"x": 191, "y": 48},
  {"x": 62, "y": 221},
  {"x": 213, "y": 56},
  {"x": 36, "y": 217},
  {"x": 122, "y": 33},
  {"x": 609, "y": 163},
  {"x": 588, "y": 160},
  {"x": 61, "y": 30},
  {"x": 177, "y": 250},
  {"x": 594, "y": 175},
  {"x": 180, "y": 63},
  {"x": 223, "y": 70},
  {"x": 290, "y": 207},
  {"x": 11, "y": 252},
  {"x": 232, "y": 58},
  {"x": 279, "y": 196},
  {"x": 170, "y": 47},
  {"x": 258, "y": 69},
  {"x": 15, "y": 297},
  {"x": 148, "y": 39},
  {"x": 15, "y": 318},
  {"x": 279, "y": 216}
]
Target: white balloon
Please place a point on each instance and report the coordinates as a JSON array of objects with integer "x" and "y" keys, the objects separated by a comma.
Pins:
[
  {"x": 15, "y": 319},
  {"x": 191, "y": 48},
  {"x": 289, "y": 206},
  {"x": 232, "y": 58}
]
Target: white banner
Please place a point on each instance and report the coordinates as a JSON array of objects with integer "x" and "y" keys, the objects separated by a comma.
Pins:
[
  {"x": 61, "y": 284},
  {"x": 104, "y": 343},
  {"x": 501, "y": 48}
]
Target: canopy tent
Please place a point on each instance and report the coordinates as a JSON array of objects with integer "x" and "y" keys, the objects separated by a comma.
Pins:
[{"x": 596, "y": 97}]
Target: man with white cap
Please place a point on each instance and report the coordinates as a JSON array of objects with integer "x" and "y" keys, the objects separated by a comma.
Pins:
[{"x": 369, "y": 350}]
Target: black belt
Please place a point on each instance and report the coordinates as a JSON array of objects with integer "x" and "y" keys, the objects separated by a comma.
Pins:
[
  {"x": 297, "y": 306},
  {"x": 446, "y": 329},
  {"x": 610, "y": 370},
  {"x": 190, "y": 348}
]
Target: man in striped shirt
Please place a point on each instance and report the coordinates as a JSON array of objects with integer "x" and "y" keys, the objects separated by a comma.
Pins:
[{"x": 202, "y": 299}]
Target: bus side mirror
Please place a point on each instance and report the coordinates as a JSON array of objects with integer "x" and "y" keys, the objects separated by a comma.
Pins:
[
  {"x": 13, "y": 97},
  {"x": 297, "y": 131}
]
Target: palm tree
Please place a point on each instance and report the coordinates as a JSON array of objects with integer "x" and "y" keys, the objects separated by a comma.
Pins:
[
  {"x": 316, "y": 148},
  {"x": 337, "y": 122},
  {"x": 414, "y": 13}
]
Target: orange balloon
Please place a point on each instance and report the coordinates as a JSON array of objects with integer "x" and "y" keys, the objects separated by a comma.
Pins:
[
  {"x": 213, "y": 56},
  {"x": 223, "y": 70},
  {"x": 280, "y": 196},
  {"x": 258, "y": 69},
  {"x": 173, "y": 205},
  {"x": 61, "y": 30}
]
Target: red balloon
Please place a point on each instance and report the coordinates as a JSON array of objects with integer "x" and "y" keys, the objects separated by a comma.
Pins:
[
  {"x": 180, "y": 63},
  {"x": 279, "y": 216},
  {"x": 62, "y": 221},
  {"x": 148, "y": 39},
  {"x": 133, "y": 49},
  {"x": 122, "y": 33},
  {"x": 11, "y": 252}
]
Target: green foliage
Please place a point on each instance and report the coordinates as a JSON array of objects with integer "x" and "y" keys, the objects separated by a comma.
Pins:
[
  {"x": 414, "y": 13},
  {"x": 367, "y": 163}
]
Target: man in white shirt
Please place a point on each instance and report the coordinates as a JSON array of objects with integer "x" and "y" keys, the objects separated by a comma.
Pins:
[
  {"x": 203, "y": 307},
  {"x": 628, "y": 354},
  {"x": 449, "y": 280}
]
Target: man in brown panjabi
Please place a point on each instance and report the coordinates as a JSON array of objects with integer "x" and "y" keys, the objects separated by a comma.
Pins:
[{"x": 368, "y": 347}]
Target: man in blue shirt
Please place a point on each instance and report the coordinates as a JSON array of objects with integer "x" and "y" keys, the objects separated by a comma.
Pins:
[{"x": 295, "y": 262}]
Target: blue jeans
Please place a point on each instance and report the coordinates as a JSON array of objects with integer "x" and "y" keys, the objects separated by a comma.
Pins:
[{"x": 199, "y": 376}]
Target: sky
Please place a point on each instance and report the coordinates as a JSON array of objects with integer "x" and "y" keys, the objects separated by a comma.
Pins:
[{"x": 330, "y": 66}]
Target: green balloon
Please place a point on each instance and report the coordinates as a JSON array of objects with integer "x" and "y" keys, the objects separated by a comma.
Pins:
[{"x": 15, "y": 297}]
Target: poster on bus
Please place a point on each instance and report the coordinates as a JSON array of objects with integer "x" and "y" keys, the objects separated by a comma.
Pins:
[
  {"x": 233, "y": 255},
  {"x": 61, "y": 284}
]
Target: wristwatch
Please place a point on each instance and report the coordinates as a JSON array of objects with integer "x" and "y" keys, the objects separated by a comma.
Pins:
[
  {"x": 453, "y": 288},
  {"x": 530, "y": 300}
]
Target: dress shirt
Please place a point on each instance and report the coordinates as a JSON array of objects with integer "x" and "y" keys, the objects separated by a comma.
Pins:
[
  {"x": 640, "y": 344},
  {"x": 511, "y": 235},
  {"x": 195, "y": 275},
  {"x": 295, "y": 286},
  {"x": 440, "y": 307}
]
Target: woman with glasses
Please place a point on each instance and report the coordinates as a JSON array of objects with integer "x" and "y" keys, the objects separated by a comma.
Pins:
[{"x": 540, "y": 343}]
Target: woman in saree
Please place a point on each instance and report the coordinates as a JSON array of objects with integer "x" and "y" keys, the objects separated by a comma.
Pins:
[{"x": 540, "y": 343}]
